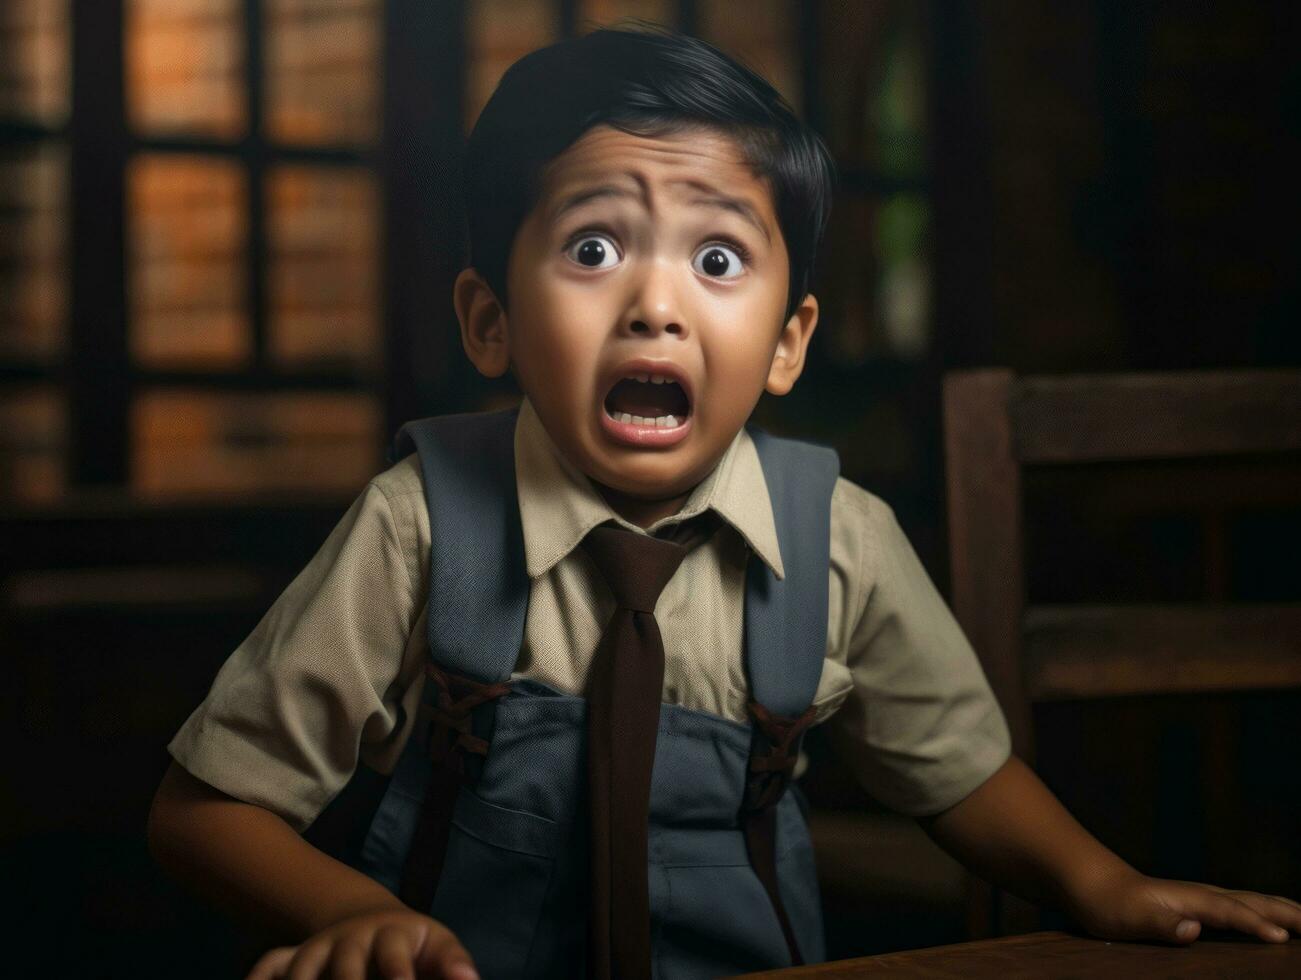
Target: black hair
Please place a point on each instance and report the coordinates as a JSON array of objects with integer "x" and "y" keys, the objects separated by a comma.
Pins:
[{"x": 648, "y": 81}]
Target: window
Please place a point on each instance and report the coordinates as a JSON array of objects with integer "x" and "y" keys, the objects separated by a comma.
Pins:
[
  {"x": 233, "y": 143},
  {"x": 252, "y": 262},
  {"x": 876, "y": 260},
  {"x": 34, "y": 96},
  {"x": 242, "y": 287}
]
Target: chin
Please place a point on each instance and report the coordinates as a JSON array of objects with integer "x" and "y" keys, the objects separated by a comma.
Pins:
[
  {"x": 647, "y": 490},
  {"x": 649, "y": 483}
]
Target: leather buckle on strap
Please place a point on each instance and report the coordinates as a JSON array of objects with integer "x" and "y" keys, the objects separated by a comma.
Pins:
[
  {"x": 450, "y": 738},
  {"x": 773, "y": 754},
  {"x": 774, "y": 750},
  {"x": 458, "y": 696}
]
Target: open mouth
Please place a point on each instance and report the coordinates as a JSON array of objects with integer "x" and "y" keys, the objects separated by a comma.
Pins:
[{"x": 648, "y": 400}]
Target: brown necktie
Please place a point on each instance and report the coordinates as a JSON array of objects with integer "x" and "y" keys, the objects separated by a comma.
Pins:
[{"x": 624, "y": 691}]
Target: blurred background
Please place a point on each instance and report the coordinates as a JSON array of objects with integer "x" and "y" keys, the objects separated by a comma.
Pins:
[{"x": 228, "y": 232}]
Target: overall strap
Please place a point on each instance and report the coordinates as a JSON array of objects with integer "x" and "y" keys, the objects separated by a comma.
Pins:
[
  {"x": 786, "y": 620},
  {"x": 478, "y": 597},
  {"x": 479, "y": 589},
  {"x": 785, "y": 643}
]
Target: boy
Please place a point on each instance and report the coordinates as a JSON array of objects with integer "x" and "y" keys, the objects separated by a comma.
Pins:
[{"x": 643, "y": 218}]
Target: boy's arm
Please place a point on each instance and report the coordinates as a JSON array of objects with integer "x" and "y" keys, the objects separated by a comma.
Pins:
[
  {"x": 1013, "y": 832},
  {"x": 249, "y": 861}
]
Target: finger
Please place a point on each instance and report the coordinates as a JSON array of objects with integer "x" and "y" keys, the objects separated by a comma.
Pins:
[
  {"x": 393, "y": 954},
  {"x": 1279, "y": 910},
  {"x": 1271, "y": 899},
  {"x": 441, "y": 955},
  {"x": 272, "y": 964},
  {"x": 349, "y": 959},
  {"x": 1164, "y": 922},
  {"x": 310, "y": 962},
  {"x": 1224, "y": 912},
  {"x": 1288, "y": 916}
]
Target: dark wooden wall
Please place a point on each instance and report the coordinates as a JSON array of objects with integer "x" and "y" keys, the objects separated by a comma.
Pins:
[{"x": 1109, "y": 184}]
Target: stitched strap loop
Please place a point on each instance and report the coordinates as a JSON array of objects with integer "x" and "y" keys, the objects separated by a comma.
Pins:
[
  {"x": 458, "y": 696},
  {"x": 774, "y": 750},
  {"x": 450, "y": 738},
  {"x": 773, "y": 754}
]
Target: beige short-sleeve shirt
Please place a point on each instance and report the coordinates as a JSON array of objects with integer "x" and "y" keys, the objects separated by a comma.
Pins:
[{"x": 333, "y": 672}]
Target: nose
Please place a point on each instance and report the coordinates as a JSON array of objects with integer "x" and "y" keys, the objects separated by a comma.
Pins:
[{"x": 654, "y": 307}]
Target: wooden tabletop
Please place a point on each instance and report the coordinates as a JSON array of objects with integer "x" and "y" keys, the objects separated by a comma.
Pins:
[{"x": 1061, "y": 955}]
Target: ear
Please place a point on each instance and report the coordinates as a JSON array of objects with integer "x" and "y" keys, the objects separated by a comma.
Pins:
[
  {"x": 484, "y": 330},
  {"x": 788, "y": 359}
]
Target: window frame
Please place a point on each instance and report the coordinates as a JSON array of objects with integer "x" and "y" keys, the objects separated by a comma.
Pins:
[{"x": 416, "y": 163}]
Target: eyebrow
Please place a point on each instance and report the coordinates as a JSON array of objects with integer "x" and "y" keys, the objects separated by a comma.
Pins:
[{"x": 711, "y": 199}]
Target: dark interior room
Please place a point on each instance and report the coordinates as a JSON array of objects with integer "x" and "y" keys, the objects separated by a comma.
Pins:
[{"x": 1059, "y": 334}]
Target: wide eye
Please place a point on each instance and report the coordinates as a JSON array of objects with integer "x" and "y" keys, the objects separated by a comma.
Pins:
[
  {"x": 718, "y": 261},
  {"x": 593, "y": 252}
]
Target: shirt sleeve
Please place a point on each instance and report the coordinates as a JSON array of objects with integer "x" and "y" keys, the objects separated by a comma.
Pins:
[
  {"x": 919, "y": 727},
  {"x": 325, "y": 674}
]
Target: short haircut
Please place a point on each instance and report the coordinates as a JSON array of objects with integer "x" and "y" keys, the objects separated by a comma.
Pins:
[{"x": 647, "y": 81}]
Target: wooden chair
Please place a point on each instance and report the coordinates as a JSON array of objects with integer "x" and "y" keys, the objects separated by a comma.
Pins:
[{"x": 995, "y": 426}]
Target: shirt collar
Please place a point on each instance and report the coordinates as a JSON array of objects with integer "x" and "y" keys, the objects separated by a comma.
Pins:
[{"x": 559, "y": 504}]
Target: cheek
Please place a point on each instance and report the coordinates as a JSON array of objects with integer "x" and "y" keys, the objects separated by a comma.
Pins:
[
  {"x": 752, "y": 311},
  {"x": 743, "y": 345},
  {"x": 556, "y": 352},
  {"x": 577, "y": 321}
]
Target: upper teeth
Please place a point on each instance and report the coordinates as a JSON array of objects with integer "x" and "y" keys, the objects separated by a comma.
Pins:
[
  {"x": 655, "y": 379},
  {"x": 659, "y": 422}
]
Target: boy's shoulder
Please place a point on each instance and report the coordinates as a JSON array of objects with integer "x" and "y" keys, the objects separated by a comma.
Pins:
[
  {"x": 847, "y": 497},
  {"x": 400, "y": 480},
  {"x": 862, "y": 522},
  {"x": 862, "y": 502}
]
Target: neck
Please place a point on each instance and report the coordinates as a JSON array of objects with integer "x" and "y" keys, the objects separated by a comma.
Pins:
[{"x": 638, "y": 510}]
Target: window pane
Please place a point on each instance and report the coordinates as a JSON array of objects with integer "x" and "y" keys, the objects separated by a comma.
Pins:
[
  {"x": 215, "y": 443},
  {"x": 34, "y": 56},
  {"x": 873, "y": 86},
  {"x": 499, "y": 33},
  {"x": 187, "y": 281},
  {"x": 902, "y": 228},
  {"x": 761, "y": 34},
  {"x": 593, "y": 13},
  {"x": 184, "y": 65},
  {"x": 323, "y": 246},
  {"x": 877, "y": 300},
  {"x": 323, "y": 73},
  {"x": 897, "y": 110},
  {"x": 32, "y": 438},
  {"x": 33, "y": 258}
]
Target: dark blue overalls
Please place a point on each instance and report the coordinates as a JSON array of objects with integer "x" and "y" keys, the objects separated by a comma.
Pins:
[{"x": 510, "y": 866}]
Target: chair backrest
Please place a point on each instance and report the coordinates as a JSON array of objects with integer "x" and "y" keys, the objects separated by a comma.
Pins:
[{"x": 996, "y": 424}]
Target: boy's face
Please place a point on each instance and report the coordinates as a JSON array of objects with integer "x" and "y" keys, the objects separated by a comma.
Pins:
[{"x": 644, "y": 256}]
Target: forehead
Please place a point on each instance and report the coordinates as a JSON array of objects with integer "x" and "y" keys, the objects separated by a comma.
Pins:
[{"x": 687, "y": 166}]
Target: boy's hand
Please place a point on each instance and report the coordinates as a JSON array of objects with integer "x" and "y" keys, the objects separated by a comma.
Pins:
[
  {"x": 1014, "y": 832},
  {"x": 1135, "y": 906},
  {"x": 393, "y": 944}
]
